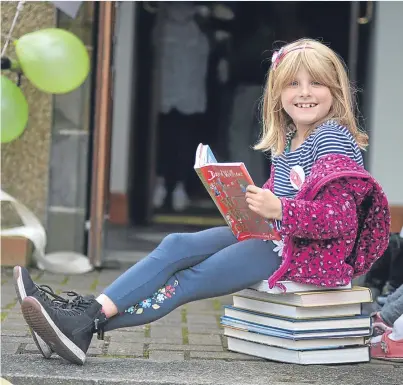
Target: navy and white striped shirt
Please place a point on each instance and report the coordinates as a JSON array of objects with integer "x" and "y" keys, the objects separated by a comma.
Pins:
[{"x": 328, "y": 138}]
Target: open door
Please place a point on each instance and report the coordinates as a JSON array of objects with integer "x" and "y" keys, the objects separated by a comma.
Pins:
[{"x": 101, "y": 143}]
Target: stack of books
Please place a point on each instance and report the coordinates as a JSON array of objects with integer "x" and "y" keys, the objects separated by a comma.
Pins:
[{"x": 305, "y": 325}]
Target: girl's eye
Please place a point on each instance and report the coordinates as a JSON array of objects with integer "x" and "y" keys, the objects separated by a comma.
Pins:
[
  {"x": 294, "y": 83},
  {"x": 316, "y": 84}
]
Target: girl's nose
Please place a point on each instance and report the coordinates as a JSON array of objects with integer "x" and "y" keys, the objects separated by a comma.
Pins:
[{"x": 305, "y": 90}]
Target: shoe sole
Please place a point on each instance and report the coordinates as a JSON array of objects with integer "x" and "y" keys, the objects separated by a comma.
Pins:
[
  {"x": 39, "y": 320},
  {"x": 21, "y": 294},
  {"x": 388, "y": 359}
]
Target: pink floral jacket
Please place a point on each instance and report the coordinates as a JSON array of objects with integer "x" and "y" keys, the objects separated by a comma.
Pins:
[{"x": 336, "y": 227}]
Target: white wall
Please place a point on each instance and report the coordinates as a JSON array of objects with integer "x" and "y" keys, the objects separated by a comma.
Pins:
[
  {"x": 123, "y": 74},
  {"x": 386, "y": 101}
]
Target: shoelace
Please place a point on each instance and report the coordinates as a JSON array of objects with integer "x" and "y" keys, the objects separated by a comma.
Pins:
[
  {"x": 64, "y": 303},
  {"x": 79, "y": 303},
  {"x": 45, "y": 290}
]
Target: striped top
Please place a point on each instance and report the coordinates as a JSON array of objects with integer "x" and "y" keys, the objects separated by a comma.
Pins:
[{"x": 328, "y": 138}]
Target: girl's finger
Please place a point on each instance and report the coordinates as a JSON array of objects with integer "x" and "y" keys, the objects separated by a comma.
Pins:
[
  {"x": 252, "y": 189},
  {"x": 251, "y": 201},
  {"x": 253, "y": 208}
]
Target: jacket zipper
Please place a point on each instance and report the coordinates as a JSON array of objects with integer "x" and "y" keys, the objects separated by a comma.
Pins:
[{"x": 272, "y": 281}]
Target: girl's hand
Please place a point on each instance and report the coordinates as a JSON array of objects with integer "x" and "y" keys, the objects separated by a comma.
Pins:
[{"x": 263, "y": 202}]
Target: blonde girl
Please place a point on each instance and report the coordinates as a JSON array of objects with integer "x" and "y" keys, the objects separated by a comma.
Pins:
[{"x": 332, "y": 215}]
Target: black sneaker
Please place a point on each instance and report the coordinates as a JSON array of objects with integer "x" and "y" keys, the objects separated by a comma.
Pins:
[
  {"x": 25, "y": 286},
  {"x": 68, "y": 331}
]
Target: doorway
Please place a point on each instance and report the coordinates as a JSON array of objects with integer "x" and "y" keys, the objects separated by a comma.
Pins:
[
  {"x": 249, "y": 36},
  {"x": 242, "y": 37}
]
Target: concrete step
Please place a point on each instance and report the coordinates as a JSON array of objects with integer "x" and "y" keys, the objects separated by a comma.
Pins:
[{"x": 34, "y": 370}]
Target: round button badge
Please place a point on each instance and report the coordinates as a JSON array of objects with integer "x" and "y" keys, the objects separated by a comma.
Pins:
[{"x": 297, "y": 177}]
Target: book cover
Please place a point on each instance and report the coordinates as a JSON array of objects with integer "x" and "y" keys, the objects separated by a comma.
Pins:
[
  {"x": 299, "y": 325},
  {"x": 290, "y": 343},
  {"x": 293, "y": 287},
  {"x": 292, "y": 311},
  {"x": 356, "y": 294},
  {"x": 308, "y": 357},
  {"x": 294, "y": 334},
  {"x": 226, "y": 183}
]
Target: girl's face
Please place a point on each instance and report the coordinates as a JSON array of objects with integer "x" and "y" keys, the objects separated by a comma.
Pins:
[{"x": 305, "y": 100}]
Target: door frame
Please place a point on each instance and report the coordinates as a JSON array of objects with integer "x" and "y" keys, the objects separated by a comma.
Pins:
[{"x": 101, "y": 142}]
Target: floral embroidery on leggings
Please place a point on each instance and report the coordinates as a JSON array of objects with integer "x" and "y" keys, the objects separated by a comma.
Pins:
[{"x": 154, "y": 302}]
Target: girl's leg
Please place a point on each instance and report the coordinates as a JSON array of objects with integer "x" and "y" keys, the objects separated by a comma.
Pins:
[
  {"x": 176, "y": 252},
  {"x": 229, "y": 270},
  {"x": 393, "y": 309}
]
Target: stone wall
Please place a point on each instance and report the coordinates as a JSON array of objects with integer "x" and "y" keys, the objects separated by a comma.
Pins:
[{"x": 25, "y": 161}]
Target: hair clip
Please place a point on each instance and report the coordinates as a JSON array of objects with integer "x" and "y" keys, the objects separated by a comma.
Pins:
[
  {"x": 276, "y": 58},
  {"x": 279, "y": 55}
]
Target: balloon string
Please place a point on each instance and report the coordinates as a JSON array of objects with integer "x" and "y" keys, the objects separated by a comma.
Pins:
[{"x": 8, "y": 38}]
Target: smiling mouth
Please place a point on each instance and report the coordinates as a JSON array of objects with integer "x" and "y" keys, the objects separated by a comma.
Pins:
[{"x": 305, "y": 105}]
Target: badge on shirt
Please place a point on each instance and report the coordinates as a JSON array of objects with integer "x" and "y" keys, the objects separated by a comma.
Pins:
[{"x": 297, "y": 177}]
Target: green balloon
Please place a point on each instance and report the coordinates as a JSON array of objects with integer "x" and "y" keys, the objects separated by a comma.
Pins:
[
  {"x": 14, "y": 111},
  {"x": 54, "y": 60}
]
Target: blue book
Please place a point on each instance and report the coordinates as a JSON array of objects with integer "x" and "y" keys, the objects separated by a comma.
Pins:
[
  {"x": 298, "y": 325},
  {"x": 292, "y": 334}
]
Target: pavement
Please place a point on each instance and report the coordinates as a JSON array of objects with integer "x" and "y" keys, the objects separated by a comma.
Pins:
[{"x": 185, "y": 347}]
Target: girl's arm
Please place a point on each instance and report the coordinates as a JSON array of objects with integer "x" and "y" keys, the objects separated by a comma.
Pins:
[{"x": 332, "y": 215}]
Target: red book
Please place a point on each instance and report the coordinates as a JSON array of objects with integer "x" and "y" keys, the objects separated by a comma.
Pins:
[{"x": 226, "y": 184}]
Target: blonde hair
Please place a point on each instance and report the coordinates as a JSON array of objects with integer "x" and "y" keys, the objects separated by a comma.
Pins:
[{"x": 324, "y": 66}]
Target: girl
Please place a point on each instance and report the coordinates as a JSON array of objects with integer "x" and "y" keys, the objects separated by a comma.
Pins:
[{"x": 332, "y": 215}]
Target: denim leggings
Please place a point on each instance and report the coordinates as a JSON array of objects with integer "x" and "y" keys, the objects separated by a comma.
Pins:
[
  {"x": 186, "y": 267},
  {"x": 393, "y": 307}
]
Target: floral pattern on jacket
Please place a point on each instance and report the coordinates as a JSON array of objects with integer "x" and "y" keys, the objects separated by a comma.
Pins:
[{"x": 336, "y": 227}]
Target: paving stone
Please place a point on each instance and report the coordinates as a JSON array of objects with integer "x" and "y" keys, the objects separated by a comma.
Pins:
[
  {"x": 80, "y": 289},
  {"x": 125, "y": 349},
  {"x": 15, "y": 333},
  {"x": 105, "y": 279},
  {"x": 169, "y": 323},
  {"x": 223, "y": 356},
  {"x": 118, "y": 336},
  {"x": 207, "y": 348},
  {"x": 10, "y": 327},
  {"x": 131, "y": 328},
  {"x": 9, "y": 347},
  {"x": 31, "y": 348},
  {"x": 158, "y": 355},
  {"x": 203, "y": 329},
  {"x": 225, "y": 299},
  {"x": 50, "y": 279},
  {"x": 14, "y": 323},
  {"x": 147, "y": 340},
  {"x": 200, "y": 306},
  {"x": 15, "y": 314},
  {"x": 165, "y": 341},
  {"x": 16, "y": 339},
  {"x": 8, "y": 302},
  {"x": 174, "y": 317},
  {"x": 165, "y": 332},
  {"x": 96, "y": 347},
  {"x": 197, "y": 339},
  {"x": 194, "y": 319}
]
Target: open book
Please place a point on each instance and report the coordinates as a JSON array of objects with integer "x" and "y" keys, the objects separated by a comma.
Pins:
[{"x": 226, "y": 184}]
